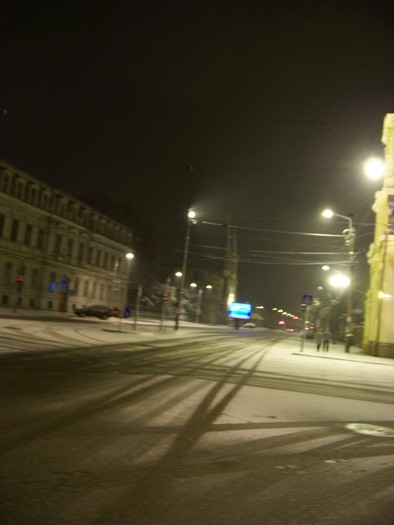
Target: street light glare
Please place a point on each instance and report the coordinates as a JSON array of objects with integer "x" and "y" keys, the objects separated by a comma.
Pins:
[
  {"x": 191, "y": 214},
  {"x": 374, "y": 168},
  {"x": 325, "y": 268},
  {"x": 328, "y": 214},
  {"x": 339, "y": 281},
  {"x": 129, "y": 255}
]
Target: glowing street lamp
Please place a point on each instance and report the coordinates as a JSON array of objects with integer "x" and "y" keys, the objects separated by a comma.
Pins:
[
  {"x": 350, "y": 241},
  {"x": 339, "y": 280},
  {"x": 374, "y": 168},
  {"x": 191, "y": 219},
  {"x": 129, "y": 256}
]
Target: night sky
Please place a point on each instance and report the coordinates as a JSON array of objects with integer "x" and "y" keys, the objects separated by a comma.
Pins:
[{"x": 254, "y": 113}]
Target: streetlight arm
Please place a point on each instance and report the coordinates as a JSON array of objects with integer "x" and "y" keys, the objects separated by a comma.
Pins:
[{"x": 349, "y": 219}]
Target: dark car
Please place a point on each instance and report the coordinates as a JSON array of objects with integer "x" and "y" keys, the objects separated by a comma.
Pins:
[
  {"x": 97, "y": 310},
  {"x": 309, "y": 333}
]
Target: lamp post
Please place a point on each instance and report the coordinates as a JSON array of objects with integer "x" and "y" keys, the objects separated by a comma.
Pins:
[
  {"x": 129, "y": 256},
  {"x": 350, "y": 242},
  {"x": 191, "y": 219},
  {"x": 200, "y": 293}
]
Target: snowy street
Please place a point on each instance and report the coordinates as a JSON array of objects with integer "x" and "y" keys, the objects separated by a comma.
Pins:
[{"x": 105, "y": 424}]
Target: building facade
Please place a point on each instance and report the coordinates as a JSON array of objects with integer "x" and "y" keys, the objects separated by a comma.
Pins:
[
  {"x": 379, "y": 309},
  {"x": 56, "y": 252}
]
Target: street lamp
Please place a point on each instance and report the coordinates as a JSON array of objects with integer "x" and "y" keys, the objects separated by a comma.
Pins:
[
  {"x": 338, "y": 280},
  {"x": 129, "y": 256},
  {"x": 191, "y": 219},
  {"x": 374, "y": 168},
  {"x": 350, "y": 242},
  {"x": 200, "y": 293}
]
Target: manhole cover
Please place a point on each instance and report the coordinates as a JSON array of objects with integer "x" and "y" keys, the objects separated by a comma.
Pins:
[{"x": 371, "y": 430}]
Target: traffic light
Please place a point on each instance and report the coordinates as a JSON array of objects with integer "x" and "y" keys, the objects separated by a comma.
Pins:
[
  {"x": 19, "y": 281},
  {"x": 165, "y": 297}
]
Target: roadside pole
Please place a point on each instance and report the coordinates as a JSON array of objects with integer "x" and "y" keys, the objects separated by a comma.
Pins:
[
  {"x": 304, "y": 308},
  {"x": 137, "y": 306},
  {"x": 164, "y": 300}
]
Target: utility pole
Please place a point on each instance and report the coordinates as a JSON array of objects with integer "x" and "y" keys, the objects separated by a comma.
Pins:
[{"x": 137, "y": 306}]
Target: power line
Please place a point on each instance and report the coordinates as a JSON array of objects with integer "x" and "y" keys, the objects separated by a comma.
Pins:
[{"x": 249, "y": 228}]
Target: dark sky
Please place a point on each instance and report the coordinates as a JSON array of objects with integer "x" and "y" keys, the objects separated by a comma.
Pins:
[{"x": 274, "y": 104}]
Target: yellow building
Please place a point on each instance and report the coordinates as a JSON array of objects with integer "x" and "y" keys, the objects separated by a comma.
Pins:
[
  {"x": 379, "y": 310},
  {"x": 56, "y": 252}
]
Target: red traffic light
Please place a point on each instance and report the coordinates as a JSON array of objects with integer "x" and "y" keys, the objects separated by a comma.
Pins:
[
  {"x": 20, "y": 279},
  {"x": 165, "y": 297}
]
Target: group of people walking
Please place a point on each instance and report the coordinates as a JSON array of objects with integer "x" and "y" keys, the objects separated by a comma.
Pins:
[{"x": 323, "y": 337}]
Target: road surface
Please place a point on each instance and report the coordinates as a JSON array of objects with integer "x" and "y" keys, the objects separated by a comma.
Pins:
[{"x": 198, "y": 427}]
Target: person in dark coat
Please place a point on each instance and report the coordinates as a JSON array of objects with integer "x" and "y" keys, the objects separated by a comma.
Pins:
[{"x": 327, "y": 336}]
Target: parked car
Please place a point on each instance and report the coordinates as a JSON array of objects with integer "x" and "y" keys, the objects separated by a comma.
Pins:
[
  {"x": 97, "y": 310},
  {"x": 309, "y": 333},
  {"x": 249, "y": 325}
]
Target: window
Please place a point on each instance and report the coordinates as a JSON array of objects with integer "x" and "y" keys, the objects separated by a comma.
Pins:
[
  {"x": 33, "y": 196},
  {"x": 13, "y": 185},
  {"x": 86, "y": 289},
  {"x": 58, "y": 244},
  {"x": 40, "y": 238},
  {"x": 14, "y": 230},
  {"x": 20, "y": 193},
  {"x": 98, "y": 257},
  {"x": 81, "y": 252},
  {"x": 5, "y": 185},
  {"x": 76, "y": 286},
  {"x": 7, "y": 274},
  {"x": 90, "y": 256},
  {"x": 52, "y": 282},
  {"x": 28, "y": 234},
  {"x": 34, "y": 278},
  {"x": 70, "y": 247}
]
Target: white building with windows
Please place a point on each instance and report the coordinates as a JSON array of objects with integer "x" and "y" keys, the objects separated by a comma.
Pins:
[{"x": 57, "y": 252}]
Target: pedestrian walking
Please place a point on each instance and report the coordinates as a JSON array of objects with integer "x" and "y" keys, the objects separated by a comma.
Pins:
[
  {"x": 318, "y": 339},
  {"x": 327, "y": 336}
]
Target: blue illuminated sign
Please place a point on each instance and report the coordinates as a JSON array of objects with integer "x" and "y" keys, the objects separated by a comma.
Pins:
[{"x": 240, "y": 310}]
